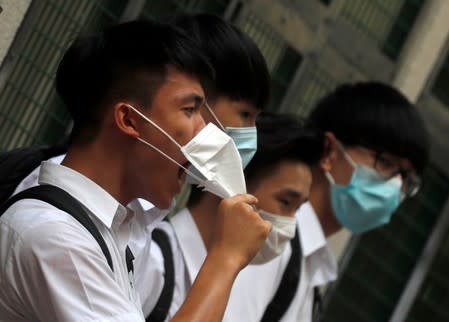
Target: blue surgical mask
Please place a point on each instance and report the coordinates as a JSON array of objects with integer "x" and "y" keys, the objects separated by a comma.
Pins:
[
  {"x": 368, "y": 201},
  {"x": 245, "y": 138}
]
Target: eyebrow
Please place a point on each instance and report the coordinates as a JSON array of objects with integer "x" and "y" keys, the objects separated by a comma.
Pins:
[
  {"x": 192, "y": 98},
  {"x": 292, "y": 193}
]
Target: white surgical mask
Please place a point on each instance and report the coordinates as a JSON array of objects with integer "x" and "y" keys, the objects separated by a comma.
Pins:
[
  {"x": 282, "y": 231},
  {"x": 214, "y": 157}
]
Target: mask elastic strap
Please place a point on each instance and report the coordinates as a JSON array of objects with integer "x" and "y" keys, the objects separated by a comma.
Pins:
[
  {"x": 172, "y": 160},
  {"x": 346, "y": 155},
  {"x": 214, "y": 116},
  {"x": 155, "y": 125},
  {"x": 329, "y": 177}
]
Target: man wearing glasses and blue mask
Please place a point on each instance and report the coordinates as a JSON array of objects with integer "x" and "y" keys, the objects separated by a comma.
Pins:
[{"x": 376, "y": 149}]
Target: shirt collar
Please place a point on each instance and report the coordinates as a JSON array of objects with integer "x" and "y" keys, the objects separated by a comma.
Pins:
[
  {"x": 97, "y": 200},
  {"x": 151, "y": 215},
  {"x": 322, "y": 263},
  {"x": 189, "y": 238},
  {"x": 310, "y": 230}
]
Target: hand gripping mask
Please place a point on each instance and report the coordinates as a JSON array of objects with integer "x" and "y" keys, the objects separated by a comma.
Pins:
[{"x": 215, "y": 160}]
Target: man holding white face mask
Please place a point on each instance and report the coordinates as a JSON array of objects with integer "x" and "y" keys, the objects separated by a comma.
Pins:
[
  {"x": 240, "y": 90},
  {"x": 114, "y": 83},
  {"x": 232, "y": 103}
]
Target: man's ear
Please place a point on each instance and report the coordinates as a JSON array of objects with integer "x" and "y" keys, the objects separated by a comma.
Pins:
[
  {"x": 126, "y": 119},
  {"x": 330, "y": 152}
]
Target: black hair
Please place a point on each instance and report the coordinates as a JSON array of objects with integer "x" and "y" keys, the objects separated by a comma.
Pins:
[
  {"x": 125, "y": 61},
  {"x": 376, "y": 116},
  {"x": 280, "y": 137},
  {"x": 241, "y": 72}
]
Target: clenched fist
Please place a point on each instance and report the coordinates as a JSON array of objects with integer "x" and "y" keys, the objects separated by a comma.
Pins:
[{"x": 239, "y": 230}]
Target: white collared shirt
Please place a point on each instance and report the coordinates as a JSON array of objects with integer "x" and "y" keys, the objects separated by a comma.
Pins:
[
  {"x": 148, "y": 269},
  {"x": 147, "y": 216},
  {"x": 150, "y": 278},
  {"x": 255, "y": 285},
  {"x": 52, "y": 269},
  {"x": 319, "y": 265}
]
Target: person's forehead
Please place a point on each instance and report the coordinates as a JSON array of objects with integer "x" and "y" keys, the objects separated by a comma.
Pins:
[
  {"x": 292, "y": 175},
  {"x": 182, "y": 87},
  {"x": 234, "y": 102}
]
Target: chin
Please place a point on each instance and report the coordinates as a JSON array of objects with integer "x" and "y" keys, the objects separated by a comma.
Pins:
[
  {"x": 165, "y": 205},
  {"x": 161, "y": 202}
]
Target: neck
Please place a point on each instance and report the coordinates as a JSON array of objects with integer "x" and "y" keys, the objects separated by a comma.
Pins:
[
  {"x": 320, "y": 200},
  {"x": 204, "y": 215},
  {"x": 95, "y": 163}
]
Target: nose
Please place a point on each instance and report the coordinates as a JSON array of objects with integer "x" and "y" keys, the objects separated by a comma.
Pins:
[{"x": 199, "y": 123}]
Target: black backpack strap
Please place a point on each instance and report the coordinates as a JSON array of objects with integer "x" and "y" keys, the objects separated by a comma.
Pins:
[
  {"x": 160, "y": 311},
  {"x": 16, "y": 164},
  {"x": 129, "y": 260},
  {"x": 288, "y": 286},
  {"x": 65, "y": 202},
  {"x": 317, "y": 308}
]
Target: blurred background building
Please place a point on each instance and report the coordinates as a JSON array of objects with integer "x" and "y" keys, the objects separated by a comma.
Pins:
[{"x": 395, "y": 273}]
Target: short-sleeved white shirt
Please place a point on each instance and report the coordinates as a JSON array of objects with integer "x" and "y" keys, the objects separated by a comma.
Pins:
[
  {"x": 255, "y": 285},
  {"x": 52, "y": 269}
]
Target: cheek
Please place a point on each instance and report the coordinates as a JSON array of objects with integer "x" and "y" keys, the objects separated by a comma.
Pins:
[
  {"x": 207, "y": 116},
  {"x": 183, "y": 135},
  {"x": 342, "y": 172},
  {"x": 289, "y": 213},
  {"x": 251, "y": 122},
  {"x": 269, "y": 204},
  {"x": 231, "y": 119},
  {"x": 265, "y": 200}
]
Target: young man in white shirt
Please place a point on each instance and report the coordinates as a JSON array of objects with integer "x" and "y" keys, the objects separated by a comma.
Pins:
[
  {"x": 51, "y": 266},
  {"x": 236, "y": 89},
  {"x": 280, "y": 175},
  {"x": 379, "y": 121},
  {"x": 241, "y": 71}
]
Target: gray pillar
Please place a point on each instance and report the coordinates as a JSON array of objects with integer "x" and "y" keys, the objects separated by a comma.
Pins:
[
  {"x": 12, "y": 13},
  {"x": 423, "y": 48}
]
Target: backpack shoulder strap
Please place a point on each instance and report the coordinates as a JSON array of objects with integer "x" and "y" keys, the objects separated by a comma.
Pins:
[
  {"x": 288, "y": 285},
  {"x": 160, "y": 311},
  {"x": 65, "y": 202},
  {"x": 16, "y": 164}
]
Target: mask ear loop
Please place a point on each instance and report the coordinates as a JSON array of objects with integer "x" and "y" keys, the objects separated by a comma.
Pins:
[
  {"x": 155, "y": 125},
  {"x": 346, "y": 155},
  {"x": 172, "y": 160},
  {"x": 329, "y": 177},
  {"x": 214, "y": 116},
  {"x": 159, "y": 150}
]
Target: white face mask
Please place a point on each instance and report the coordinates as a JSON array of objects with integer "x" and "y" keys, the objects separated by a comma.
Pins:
[
  {"x": 282, "y": 231},
  {"x": 213, "y": 155}
]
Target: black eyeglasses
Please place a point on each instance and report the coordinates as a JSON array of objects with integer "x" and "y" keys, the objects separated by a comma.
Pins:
[{"x": 411, "y": 182}]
